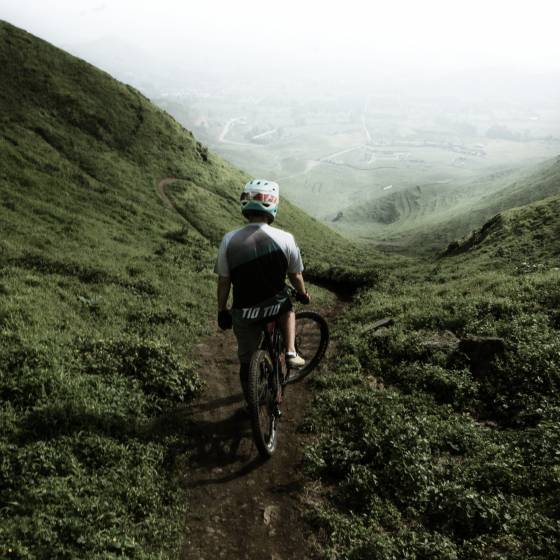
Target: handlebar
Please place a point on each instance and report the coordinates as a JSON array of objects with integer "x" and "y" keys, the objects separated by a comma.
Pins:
[{"x": 298, "y": 296}]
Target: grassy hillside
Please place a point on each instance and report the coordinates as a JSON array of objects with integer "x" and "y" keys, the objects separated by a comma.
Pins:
[
  {"x": 439, "y": 436},
  {"x": 428, "y": 217},
  {"x": 103, "y": 293},
  {"x": 435, "y": 437},
  {"x": 527, "y": 237}
]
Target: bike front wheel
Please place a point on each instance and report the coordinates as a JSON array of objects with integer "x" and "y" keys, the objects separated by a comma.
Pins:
[
  {"x": 312, "y": 340},
  {"x": 262, "y": 392}
]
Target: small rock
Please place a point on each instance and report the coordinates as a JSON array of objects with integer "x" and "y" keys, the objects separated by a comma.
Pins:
[
  {"x": 268, "y": 514},
  {"x": 379, "y": 328},
  {"x": 445, "y": 341},
  {"x": 480, "y": 351},
  {"x": 477, "y": 346}
]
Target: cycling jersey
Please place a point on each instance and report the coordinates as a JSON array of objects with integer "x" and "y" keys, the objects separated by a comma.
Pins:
[{"x": 256, "y": 258}]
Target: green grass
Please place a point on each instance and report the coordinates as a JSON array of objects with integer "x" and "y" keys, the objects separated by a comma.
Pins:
[
  {"x": 103, "y": 294},
  {"x": 427, "y": 218},
  {"x": 527, "y": 237},
  {"x": 426, "y": 449}
]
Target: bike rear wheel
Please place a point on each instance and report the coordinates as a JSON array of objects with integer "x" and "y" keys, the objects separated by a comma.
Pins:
[
  {"x": 262, "y": 403},
  {"x": 312, "y": 340}
]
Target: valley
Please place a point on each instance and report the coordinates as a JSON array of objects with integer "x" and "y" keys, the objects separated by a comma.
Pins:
[
  {"x": 434, "y": 436},
  {"x": 344, "y": 158}
]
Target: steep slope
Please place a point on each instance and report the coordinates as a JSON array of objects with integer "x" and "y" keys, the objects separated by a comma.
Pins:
[
  {"x": 528, "y": 236},
  {"x": 103, "y": 294},
  {"x": 542, "y": 182}
]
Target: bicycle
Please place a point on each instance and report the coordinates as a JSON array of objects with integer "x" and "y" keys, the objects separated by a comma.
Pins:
[{"x": 269, "y": 374}]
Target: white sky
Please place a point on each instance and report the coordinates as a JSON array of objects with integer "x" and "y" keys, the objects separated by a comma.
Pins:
[{"x": 423, "y": 35}]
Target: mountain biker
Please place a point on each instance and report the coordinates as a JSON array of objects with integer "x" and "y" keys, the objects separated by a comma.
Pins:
[{"x": 255, "y": 259}]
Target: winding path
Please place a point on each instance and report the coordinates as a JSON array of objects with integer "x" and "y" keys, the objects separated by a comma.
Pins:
[
  {"x": 225, "y": 131},
  {"x": 160, "y": 189}
]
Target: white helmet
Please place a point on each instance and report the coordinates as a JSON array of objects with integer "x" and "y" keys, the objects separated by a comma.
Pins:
[{"x": 260, "y": 195}]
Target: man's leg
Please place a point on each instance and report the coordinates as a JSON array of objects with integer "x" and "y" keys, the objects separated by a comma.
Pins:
[{"x": 287, "y": 322}]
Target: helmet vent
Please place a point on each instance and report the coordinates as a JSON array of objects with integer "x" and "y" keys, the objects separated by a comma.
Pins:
[{"x": 260, "y": 195}]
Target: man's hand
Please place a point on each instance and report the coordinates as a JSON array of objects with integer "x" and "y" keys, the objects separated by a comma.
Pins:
[
  {"x": 224, "y": 319},
  {"x": 303, "y": 297}
]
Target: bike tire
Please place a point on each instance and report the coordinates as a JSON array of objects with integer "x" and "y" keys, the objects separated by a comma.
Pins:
[
  {"x": 312, "y": 340},
  {"x": 262, "y": 403}
]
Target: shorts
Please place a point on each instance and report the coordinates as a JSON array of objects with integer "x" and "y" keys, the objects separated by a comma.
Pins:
[
  {"x": 248, "y": 323},
  {"x": 264, "y": 311}
]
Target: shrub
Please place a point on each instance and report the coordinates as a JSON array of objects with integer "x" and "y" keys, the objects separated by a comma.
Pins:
[{"x": 153, "y": 364}]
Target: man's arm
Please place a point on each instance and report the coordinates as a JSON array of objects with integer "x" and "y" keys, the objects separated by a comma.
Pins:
[
  {"x": 224, "y": 285},
  {"x": 296, "y": 280}
]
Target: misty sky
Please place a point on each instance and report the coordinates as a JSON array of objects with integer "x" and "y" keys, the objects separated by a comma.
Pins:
[
  {"x": 427, "y": 33},
  {"x": 395, "y": 40}
]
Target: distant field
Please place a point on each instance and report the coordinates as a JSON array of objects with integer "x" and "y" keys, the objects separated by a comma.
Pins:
[{"x": 336, "y": 156}]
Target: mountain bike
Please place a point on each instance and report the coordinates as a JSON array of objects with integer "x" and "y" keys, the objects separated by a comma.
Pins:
[{"x": 269, "y": 373}]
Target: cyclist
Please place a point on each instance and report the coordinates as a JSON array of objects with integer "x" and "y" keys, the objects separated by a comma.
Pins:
[{"x": 255, "y": 260}]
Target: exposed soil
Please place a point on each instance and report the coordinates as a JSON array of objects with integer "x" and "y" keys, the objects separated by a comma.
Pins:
[
  {"x": 160, "y": 189},
  {"x": 241, "y": 507}
]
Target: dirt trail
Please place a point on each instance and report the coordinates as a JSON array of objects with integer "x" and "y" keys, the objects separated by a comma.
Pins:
[
  {"x": 239, "y": 506},
  {"x": 160, "y": 189}
]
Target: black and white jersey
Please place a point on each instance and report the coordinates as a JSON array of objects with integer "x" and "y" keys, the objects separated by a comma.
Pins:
[{"x": 256, "y": 258}]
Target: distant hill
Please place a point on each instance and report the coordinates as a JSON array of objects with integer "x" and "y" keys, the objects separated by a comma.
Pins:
[
  {"x": 428, "y": 217},
  {"x": 104, "y": 292},
  {"x": 527, "y": 236}
]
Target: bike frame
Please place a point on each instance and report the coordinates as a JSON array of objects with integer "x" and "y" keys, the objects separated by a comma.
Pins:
[{"x": 272, "y": 343}]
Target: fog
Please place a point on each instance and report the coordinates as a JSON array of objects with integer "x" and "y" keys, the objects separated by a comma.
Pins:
[{"x": 438, "y": 47}]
